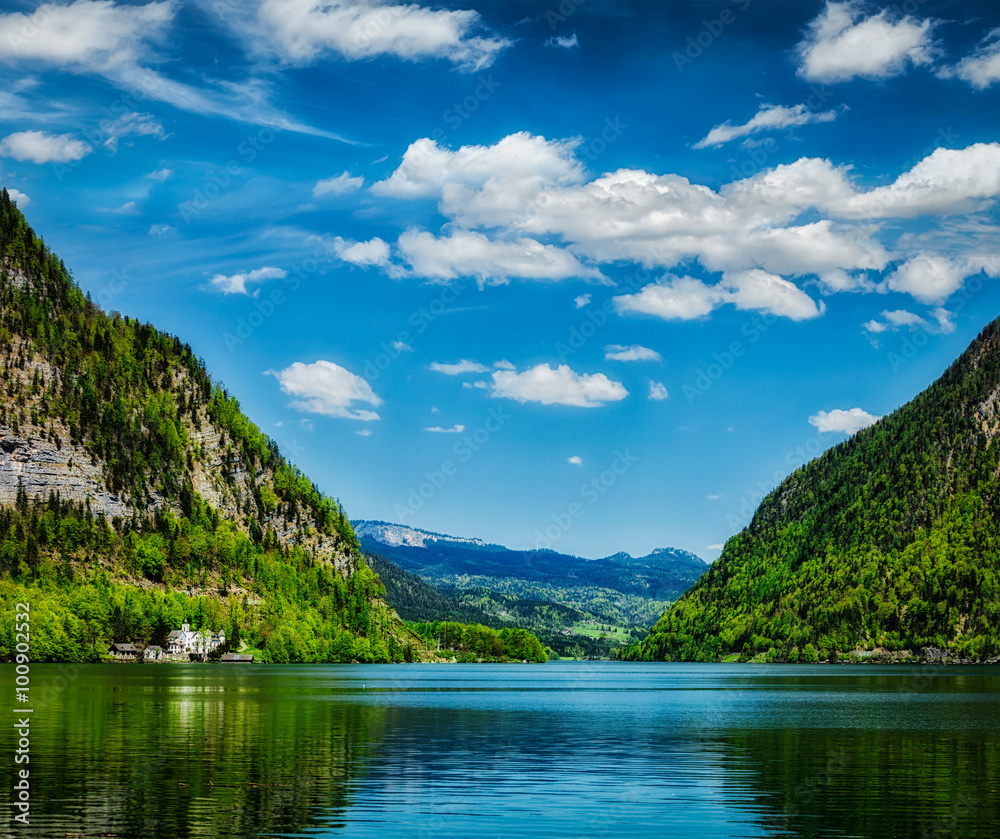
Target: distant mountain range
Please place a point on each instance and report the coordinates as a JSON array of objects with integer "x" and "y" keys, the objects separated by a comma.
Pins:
[
  {"x": 886, "y": 547},
  {"x": 619, "y": 590}
]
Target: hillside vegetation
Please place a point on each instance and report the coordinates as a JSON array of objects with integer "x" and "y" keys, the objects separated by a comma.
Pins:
[
  {"x": 889, "y": 542},
  {"x": 135, "y": 494}
]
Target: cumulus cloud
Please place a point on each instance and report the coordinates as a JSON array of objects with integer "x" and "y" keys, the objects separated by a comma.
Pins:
[
  {"x": 929, "y": 277},
  {"x": 18, "y": 197},
  {"x": 373, "y": 252},
  {"x": 237, "y": 283},
  {"x": 847, "y": 422},
  {"x": 657, "y": 391},
  {"x": 459, "y": 367},
  {"x": 559, "y": 386},
  {"x": 619, "y": 352},
  {"x": 437, "y": 429},
  {"x": 42, "y": 147},
  {"x": 160, "y": 175},
  {"x": 768, "y": 118},
  {"x": 301, "y": 31},
  {"x": 685, "y": 298},
  {"x": 323, "y": 387},
  {"x": 581, "y": 300},
  {"x": 896, "y": 319},
  {"x": 576, "y": 460},
  {"x": 841, "y": 44},
  {"x": 490, "y": 262},
  {"x": 808, "y": 218},
  {"x": 946, "y": 181},
  {"x": 982, "y": 68},
  {"x": 364, "y": 432},
  {"x": 338, "y": 185},
  {"x": 515, "y": 164}
]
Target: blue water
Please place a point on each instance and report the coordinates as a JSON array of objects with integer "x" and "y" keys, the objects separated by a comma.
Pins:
[{"x": 554, "y": 750}]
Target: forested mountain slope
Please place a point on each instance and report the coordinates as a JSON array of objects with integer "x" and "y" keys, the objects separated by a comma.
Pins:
[
  {"x": 134, "y": 493},
  {"x": 887, "y": 542}
]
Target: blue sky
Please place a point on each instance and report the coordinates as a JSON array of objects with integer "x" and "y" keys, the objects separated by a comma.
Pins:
[{"x": 584, "y": 275}]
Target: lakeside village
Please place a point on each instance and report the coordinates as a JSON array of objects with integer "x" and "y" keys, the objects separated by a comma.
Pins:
[{"x": 183, "y": 644}]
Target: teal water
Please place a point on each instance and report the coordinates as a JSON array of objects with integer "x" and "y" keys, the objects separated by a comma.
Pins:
[{"x": 554, "y": 750}]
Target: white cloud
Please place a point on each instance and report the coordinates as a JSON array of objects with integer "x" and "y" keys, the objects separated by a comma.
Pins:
[
  {"x": 328, "y": 389},
  {"x": 841, "y": 44},
  {"x": 946, "y": 181},
  {"x": 929, "y": 277},
  {"x": 982, "y": 68},
  {"x": 18, "y": 197},
  {"x": 401, "y": 346},
  {"x": 457, "y": 429},
  {"x": 581, "y": 300},
  {"x": 503, "y": 364},
  {"x": 566, "y": 42},
  {"x": 945, "y": 319},
  {"x": 714, "y": 497},
  {"x": 456, "y": 369},
  {"x": 161, "y": 230},
  {"x": 619, "y": 352},
  {"x": 717, "y": 547},
  {"x": 576, "y": 460},
  {"x": 102, "y": 38},
  {"x": 364, "y": 432},
  {"x": 470, "y": 254},
  {"x": 685, "y": 298},
  {"x": 300, "y": 31},
  {"x": 42, "y": 147},
  {"x": 657, "y": 391},
  {"x": 560, "y": 386},
  {"x": 764, "y": 233},
  {"x": 768, "y": 118},
  {"x": 160, "y": 175},
  {"x": 338, "y": 185},
  {"x": 237, "y": 283},
  {"x": 845, "y": 422},
  {"x": 901, "y": 317},
  {"x": 129, "y": 208},
  {"x": 129, "y": 125},
  {"x": 513, "y": 167},
  {"x": 373, "y": 252}
]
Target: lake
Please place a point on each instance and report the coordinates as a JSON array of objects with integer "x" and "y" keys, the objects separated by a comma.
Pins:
[{"x": 580, "y": 749}]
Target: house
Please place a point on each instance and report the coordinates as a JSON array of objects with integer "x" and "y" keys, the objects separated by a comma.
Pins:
[
  {"x": 153, "y": 653},
  {"x": 185, "y": 640},
  {"x": 245, "y": 658},
  {"x": 124, "y": 652}
]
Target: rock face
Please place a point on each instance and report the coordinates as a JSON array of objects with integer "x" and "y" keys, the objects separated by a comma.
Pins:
[
  {"x": 41, "y": 466},
  {"x": 39, "y": 457}
]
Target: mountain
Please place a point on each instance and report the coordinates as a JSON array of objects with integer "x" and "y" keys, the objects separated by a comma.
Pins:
[
  {"x": 134, "y": 493},
  {"x": 886, "y": 546},
  {"x": 545, "y": 591}
]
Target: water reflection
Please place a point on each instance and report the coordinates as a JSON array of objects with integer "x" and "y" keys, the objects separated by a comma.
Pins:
[{"x": 557, "y": 750}]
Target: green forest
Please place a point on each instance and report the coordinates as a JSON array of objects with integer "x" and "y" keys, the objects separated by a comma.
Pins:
[
  {"x": 888, "y": 542},
  {"x": 131, "y": 397},
  {"x": 474, "y": 642}
]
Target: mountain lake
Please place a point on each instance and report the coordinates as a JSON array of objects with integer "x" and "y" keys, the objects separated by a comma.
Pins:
[{"x": 575, "y": 749}]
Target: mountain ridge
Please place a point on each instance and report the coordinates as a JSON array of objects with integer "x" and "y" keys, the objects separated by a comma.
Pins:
[{"x": 886, "y": 544}]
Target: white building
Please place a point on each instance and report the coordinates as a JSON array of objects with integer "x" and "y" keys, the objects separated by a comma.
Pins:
[{"x": 186, "y": 640}]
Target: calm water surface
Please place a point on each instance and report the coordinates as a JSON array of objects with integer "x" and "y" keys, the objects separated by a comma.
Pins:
[{"x": 554, "y": 750}]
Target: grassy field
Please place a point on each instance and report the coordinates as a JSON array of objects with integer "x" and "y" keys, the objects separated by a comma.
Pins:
[{"x": 598, "y": 630}]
